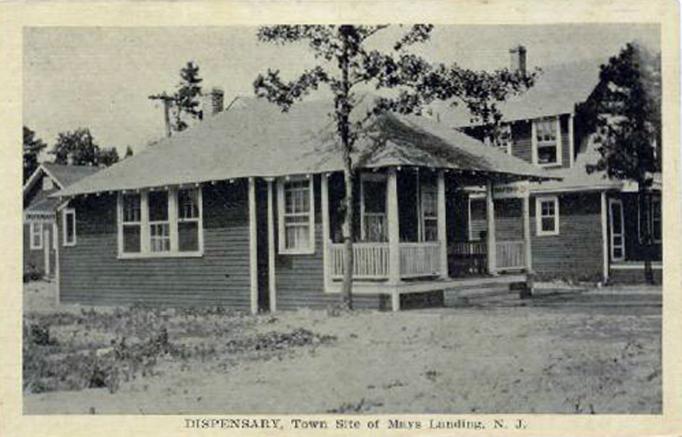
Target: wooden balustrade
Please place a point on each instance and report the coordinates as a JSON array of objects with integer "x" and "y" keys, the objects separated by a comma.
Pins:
[{"x": 419, "y": 259}]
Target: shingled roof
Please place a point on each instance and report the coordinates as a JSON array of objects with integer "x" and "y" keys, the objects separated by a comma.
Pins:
[
  {"x": 256, "y": 139},
  {"x": 556, "y": 91}
]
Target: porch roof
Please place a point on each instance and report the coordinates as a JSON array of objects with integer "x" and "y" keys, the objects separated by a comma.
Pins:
[{"x": 255, "y": 138}]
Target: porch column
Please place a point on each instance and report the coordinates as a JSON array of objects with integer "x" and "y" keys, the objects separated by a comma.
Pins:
[
  {"x": 253, "y": 246},
  {"x": 526, "y": 233},
  {"x": 272, "y": 286},
  {"x": 442, "y": 228},
  {"x": 490, "y": 220},
  {"x": 393, "y": 236},
  {"x": 604, "y": 238},
  {"x": 324, "y": 197}
]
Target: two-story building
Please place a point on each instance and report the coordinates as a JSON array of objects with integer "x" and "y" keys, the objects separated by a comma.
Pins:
[{"x": 584, "y": 226}]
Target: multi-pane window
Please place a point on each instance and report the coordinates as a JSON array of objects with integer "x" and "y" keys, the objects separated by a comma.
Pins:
[
  {"x": 429, "y": 207},
  {"x": 161, "y": 223},
  {"x": 188, "y": 220},
  {"x": 547, "y": 215},
  {"x": 131, "y": 223},
  {"x": 374, "y": 209},
  {"x": 36, "y": 235},
  {"x": 159, "y": 226},
  {"x": 547, "y": 141},
  {"x": 296, "y": 216},
  {"x": 69, "y": 223}
]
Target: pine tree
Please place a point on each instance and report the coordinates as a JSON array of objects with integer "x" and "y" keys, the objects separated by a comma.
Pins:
[
  {"x": 32, "y": 148},
  {"x": 186, "y": 98}
]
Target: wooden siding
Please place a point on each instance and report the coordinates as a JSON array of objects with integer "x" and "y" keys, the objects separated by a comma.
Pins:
[
  {"x": 508, "y": 222},
  {"x": 521, "y": 134},
  {"x": 300, "y": 278},
  {"x": 633, "y": 276},
  {"x": 91, "y": 272},
  {"x": 576, "y": 253}
]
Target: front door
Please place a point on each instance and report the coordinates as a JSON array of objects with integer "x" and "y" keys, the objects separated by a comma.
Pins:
[{"x": 617, "y": 233}]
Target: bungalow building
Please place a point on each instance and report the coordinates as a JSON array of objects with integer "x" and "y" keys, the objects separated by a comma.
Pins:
[
  {"x": 244, "y": 210},
  {"x": 584, "y": 226},
  {"x": 40, "y": 228}
]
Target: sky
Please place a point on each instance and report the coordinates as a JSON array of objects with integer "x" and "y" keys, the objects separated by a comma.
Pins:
[{"x": 100, "y": 78}]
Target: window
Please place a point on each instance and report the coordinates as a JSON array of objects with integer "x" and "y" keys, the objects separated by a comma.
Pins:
[
  {"x": 47, "y": 183},
  {"x": 161, "y": 223},
  {"x": 131, "y": 224},
  {"x": 296, "y": 218},
  {"x": 547, "y": 215},
  {"x": 654, "y": 223},
  {"x": 36, "y": 235},
  {"x": 373, "y": 208},
  {"x": 188, "y": 220},
  {"x": 69, "y": 227},
  {"x": 547, "y": 141},
  {"x": 429, "y": 206}
]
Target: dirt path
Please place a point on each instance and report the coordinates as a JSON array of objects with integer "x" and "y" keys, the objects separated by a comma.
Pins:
[{"x": 553, "y": 356}]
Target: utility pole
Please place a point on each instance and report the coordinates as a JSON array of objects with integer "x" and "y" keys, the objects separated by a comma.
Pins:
[{"x": 167, "y": 101}]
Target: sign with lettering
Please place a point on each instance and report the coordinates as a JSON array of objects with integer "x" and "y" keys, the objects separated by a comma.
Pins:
[{"x": 511, "y": 191}]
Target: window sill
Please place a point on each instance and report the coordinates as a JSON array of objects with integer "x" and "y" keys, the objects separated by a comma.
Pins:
[
  {"x": 160, "y": 255},
  {"x": 547, "y": 234},
  {"x": 297, "y": 252}
]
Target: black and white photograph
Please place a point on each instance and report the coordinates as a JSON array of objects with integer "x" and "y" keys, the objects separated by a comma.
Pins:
[{"x": 343, "y": 219}]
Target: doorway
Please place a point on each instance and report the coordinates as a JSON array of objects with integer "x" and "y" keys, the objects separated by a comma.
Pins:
[{"x": 617, "y": 230}]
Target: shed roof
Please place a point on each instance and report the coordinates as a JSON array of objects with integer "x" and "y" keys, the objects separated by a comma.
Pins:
[{"x": 257, "y": 139}]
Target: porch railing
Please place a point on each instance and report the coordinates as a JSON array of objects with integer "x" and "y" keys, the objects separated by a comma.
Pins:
[
  {"x": 371, "y": 260},
  {"x": 419, "y": 259},
  {"x": 510, "y": 255}
]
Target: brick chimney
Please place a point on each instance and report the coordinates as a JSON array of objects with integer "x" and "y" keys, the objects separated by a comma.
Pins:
[
  {"x": 212, "y": 102},
  {"x": 518, "y": 59}
]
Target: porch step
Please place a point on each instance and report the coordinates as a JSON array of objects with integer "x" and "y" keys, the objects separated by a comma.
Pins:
[{"x": 491, "y": 294}]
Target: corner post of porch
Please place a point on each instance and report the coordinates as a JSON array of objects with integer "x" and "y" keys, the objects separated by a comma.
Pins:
[
  {"x": 272, "y": 277},
  {"x": 442, "y": 228},
  {"x": 393, "y": 236},
  {"x": 324, "y": 197},
  {"x": 490, "y": 221},
  {"x": 253, "y": 247},
  {"x": 526, "y": 233}
]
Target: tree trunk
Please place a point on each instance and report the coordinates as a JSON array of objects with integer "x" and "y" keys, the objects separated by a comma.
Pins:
[
  {"x": 343, "y": 109},
  {"x": 644, "y": 207},
  {"x": 347, "y": 229}
]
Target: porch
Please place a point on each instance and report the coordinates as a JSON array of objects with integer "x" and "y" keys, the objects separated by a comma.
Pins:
[{"x": 409, "y": 240}]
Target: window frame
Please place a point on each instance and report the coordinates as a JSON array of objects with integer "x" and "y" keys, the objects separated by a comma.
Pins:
[
  {"x": 378, "y": 178},
  {"x": 145, "y": 226},
  {"x": 640, "y": 236},
  {"x": 558, "y": 144},
  {"x": 65, "y": 241},
  {"x": 540, "y": 232},
  {"x": 282, "y": 215},
  {"x": 32, "y": 233},
  {"x": 432, "y": 189}
]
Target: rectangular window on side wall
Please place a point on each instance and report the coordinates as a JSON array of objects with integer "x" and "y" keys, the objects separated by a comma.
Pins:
[
  {"x": 429, "y": 208},
  {"x": 36, "y": 235},
  {"x": 296, "y": 216},
  {"x": 547, "y": 141},
  {"x": 161, "y": 223},
  {"x": 654, "y": 224},
  {"x": 69, "y": 224},
  {"x": 547, "y": 215}
]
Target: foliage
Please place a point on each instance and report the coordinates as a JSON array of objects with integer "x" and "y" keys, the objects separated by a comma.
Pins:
[
  {"x": 624, "y": 113},
  {"x": 32, "y": 148},
  {"x": 346, "y": 63},
  {"x": 78, "y": 147},
  {"x": 129, "y": 152},
  {"x": 186, "y": 97}
]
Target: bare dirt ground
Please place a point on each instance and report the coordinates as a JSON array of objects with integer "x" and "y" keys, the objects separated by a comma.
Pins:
[{"x": 565, "y": 351}]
